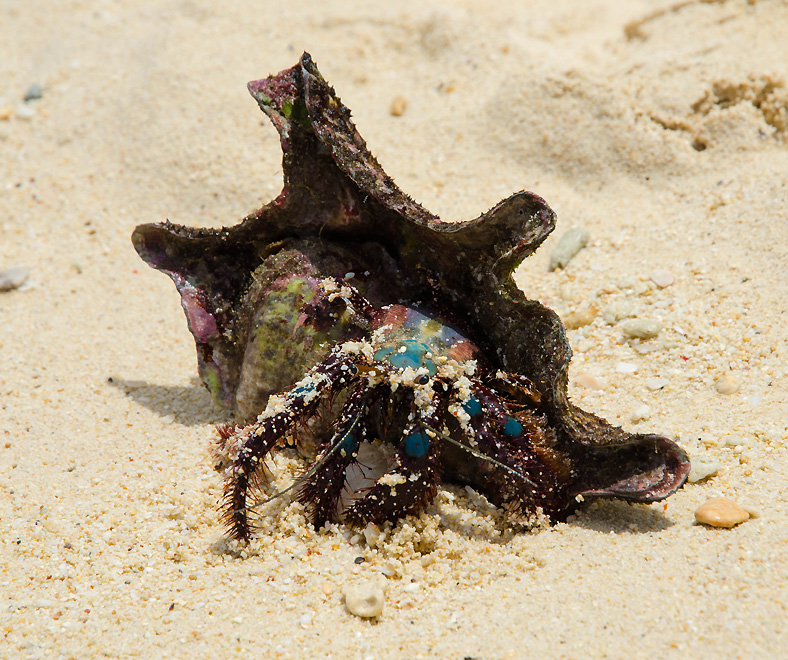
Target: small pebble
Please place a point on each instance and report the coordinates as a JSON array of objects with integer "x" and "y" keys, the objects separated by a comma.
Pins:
[
  {"x": 751, "y": 508},
  {"x": 589, "y": 381},
  {"x": 580, "y": 318},
  {"x": 661, "y": 278},
  {"x": 13, "y": 278},
  {"x": 398, "y": 105},
  {"x": 574, "y": 240},
  {"x": 364, "y": 600},
  {"x": 372, "y": 534},
  {"x": 734, "y": 441},
  {"x": 305, "y": 621},
  {"x": 24, "y": 112},
  {"x": 641, "y": 329},
  {"x": 6, "y": 112},
  {"x": 640, "y": 414},
  {"x": 35, "y": 91},
  {"x": 721, "y": 512},
  {"x": 654, "y": 384},
  {"x": 327, "y": 588},
  {"x": 626, "y": 368},
  {"x": 614, "y": 313},
  {"x": 726, "y": 384},
  {"x": 702, "y": 468}
]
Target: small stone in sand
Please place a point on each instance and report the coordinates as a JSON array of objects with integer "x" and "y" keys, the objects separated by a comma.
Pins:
[
  {"x": 640, "y": 414},
  {"x": 574, "y": 240},
  {"x": 734, "y": 441},
  {"x": 35, "y": 91},
  {"x": 641, "y": 329},
  {"x": 702, "y": 468},
  {"x": 398, "y": 106},
  {"x": 373, "y": 535},
  {"x": 721, "y": 512},
  {"x": 661, "y": 278},
  {"x": 654, "y": 384},
  {"x": 726, "y": 384},
  {"x": 579, "y": 318},
  {"x": 614, "y": 313},
  {"x": 24, "y": 111},
  {"x": 364, "y": 600},
  {"x": 589, "y": 381},
  {"x": 13, "y": 278}
]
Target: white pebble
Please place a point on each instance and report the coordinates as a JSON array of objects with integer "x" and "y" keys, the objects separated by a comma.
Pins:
[
  {"x": 13, "y": 278},
  {"x": 640, "y": 414},
  {"x": 726, "y": 384},
  {"x": 702, "y": 467},
  {"x": 24, "y": 111},
  {"x": 589, "y": 381},
  {"x": 751, "y": 508},
  {"x": 626, "y": 368},
  {"x": 641, "y": 329},
  {"x": 573, "y": 240},
  {"x": 654, "y": 384},
  {"x": 614, "y": 313},
  {"x": 661, "y": 278},
  {"x": 372, "y": 534},
  {"x": 364, "y": 599},
  {"x": 734, "y": 441},
  {"x": 305, "y": 621}
]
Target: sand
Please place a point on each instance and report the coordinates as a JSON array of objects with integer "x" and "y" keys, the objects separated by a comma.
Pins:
[{"x": 661, "y": 128}]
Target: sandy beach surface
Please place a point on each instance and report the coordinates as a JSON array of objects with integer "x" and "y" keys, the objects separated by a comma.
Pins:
[{"x": 660, "y": 127}]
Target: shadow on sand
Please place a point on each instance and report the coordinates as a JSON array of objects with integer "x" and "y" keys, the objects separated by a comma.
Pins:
[{"x": 189, "y": 405}]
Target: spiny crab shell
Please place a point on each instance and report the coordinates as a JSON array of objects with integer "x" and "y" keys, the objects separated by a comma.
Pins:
[{"x": 255, "y": 294}]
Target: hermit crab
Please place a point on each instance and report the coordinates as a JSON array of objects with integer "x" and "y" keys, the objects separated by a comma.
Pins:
[{"x": 342, "y": 316}]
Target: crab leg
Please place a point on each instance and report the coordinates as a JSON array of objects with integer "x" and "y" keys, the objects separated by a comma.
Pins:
[
  {"x": 515, "y": 475},
  {"x": 322, "y": 486},
  {"x": 412, "y": 484},
  {"x": 254, "y": 443},
  {"x": 519, "y": 386}
]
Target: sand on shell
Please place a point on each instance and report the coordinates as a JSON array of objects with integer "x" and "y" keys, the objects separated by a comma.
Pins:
[{"x": 660, "y": 127}]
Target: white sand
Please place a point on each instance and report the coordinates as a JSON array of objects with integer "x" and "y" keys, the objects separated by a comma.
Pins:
[{"x": 111, "y": 545}]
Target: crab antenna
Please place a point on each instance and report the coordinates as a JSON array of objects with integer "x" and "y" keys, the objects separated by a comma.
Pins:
[
  {"x": 478, "y": 454},
  {"x": 311, "y": 472}
]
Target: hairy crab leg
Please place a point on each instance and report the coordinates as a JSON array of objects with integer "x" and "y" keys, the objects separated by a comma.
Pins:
[
  {"x": 334, "y": 288},
  {"x": 254, "y": 443},
  {"x": 478, "y": 454},
  {"x": 500, "y": 437},
  {"x": 412, "y": 484},
  {"x": 519, "y": 386},
  {"x": 322, "y": 485}
]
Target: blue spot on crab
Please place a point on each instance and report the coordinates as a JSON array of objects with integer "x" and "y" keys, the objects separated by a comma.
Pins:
[{"x": 345, "y": 314}]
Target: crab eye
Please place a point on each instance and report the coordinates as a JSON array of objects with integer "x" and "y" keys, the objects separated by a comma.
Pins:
[{"x": 423, "y": 380}]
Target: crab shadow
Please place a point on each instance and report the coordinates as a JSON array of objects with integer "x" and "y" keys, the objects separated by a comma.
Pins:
[{"x": 189, "y": 405}]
